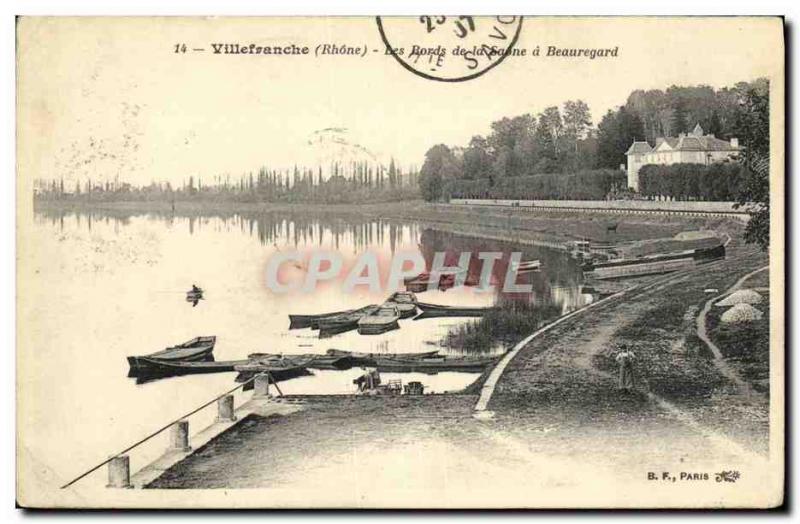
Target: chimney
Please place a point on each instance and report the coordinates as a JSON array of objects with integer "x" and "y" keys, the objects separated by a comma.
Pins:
[{"x": 735, "y": 143}]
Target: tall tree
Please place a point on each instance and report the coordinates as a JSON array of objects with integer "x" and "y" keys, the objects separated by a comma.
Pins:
[{"x": 752, "y": 128}]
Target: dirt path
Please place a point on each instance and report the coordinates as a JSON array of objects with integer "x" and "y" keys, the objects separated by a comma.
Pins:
[
  {"x": 556, "y": 375},
  {"x": 719, "y": 359}
]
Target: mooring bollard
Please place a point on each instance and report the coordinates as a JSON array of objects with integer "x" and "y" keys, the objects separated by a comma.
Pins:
[
  {"x": 225, "y": 409},
  {"x": 119, "y": 472},
  {"x": 179, "y": 436},
  {"x": 261, "y": 385}
]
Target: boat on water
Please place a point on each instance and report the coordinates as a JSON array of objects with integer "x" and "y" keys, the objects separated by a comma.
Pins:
[
  {"x": 162, "y": 368},
  {"x": 311, "y": 360},
  {"x": 652, "y": 264},
  {"x": 433, "y": 364},
  {"x": 436, "y": 310},
  {"x": 405, "y": 302},
  {"x": 312, "y": 321},
  {"x": 345, "y": 322},
  {"x": 194, "y": 350},
  {"x": 372, "y": 356},
  {"x": 279, "y": 366},
  {"x": 424, "y": 281},
  {"x": 526, "y": 266},
  {"x": 384, "y": 319}
]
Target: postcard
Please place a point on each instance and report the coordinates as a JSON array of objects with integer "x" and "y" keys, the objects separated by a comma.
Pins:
[{"x": 400, "y": 262}]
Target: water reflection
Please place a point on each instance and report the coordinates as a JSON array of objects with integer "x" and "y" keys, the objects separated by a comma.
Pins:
[{"x": 557, "y": 283}]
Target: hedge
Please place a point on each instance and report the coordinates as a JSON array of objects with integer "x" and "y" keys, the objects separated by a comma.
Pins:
[
  {"x": 713, "y": 182},
  {"x": 584, "y": 185}
]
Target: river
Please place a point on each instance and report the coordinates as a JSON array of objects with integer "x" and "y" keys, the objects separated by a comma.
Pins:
[{"x": 111, "y": 285}]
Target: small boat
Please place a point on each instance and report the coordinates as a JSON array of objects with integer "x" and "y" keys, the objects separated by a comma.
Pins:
[
  {"x": 341, "y": 323},
  {"x": 405, "y": 302},
  {"x": 423, "y": 281},
  {"x": 311, "y": 360},
  {"x": 166, "y": 367},
  {"x": 312, "y": 321},
  {"x": 382, "y": 320},
  {"x": 433, "y": 364},
  {"x": 651, "y": 264},
  {"x": 525, "y": 266},
  {"x": 197, "y": 349},
  {"x": 279, "y": 367},
  {"x": 436, "y": 310},
  {"x": 372, "y": 356}
]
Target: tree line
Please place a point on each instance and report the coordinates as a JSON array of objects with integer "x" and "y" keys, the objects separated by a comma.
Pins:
[
  {"x": 342, "y": 182},
  {"x": 562, "y": 141}
]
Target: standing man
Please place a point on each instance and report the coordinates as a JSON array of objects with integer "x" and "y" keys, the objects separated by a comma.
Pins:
[{"x": 625, "y": 359}]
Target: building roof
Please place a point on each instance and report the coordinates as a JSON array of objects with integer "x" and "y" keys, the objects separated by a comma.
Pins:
[
  {"x": 695, "y": 141},
  {"x": 638, "y": 148}
]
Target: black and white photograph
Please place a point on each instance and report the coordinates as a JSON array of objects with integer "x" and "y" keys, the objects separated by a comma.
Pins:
[{"x": 420, "y": 262}]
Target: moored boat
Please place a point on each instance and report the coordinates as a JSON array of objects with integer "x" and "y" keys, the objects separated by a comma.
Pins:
[
  {"x": 384, "y": 319},
  {"x": 345, "y": 322},
  {"x": 166, "y": 367},
  {"x": 652, "y": 264},
  {"x": 405, "y": 302},
  {"x": 197, "y": 349},
  {"x": 433, "y": 364},
  {"x": 436, "y": 310},
  {"x": 312, "y": 321},
  {"x": 526, "y": 266},
  {"x": 372, "y": 356}
]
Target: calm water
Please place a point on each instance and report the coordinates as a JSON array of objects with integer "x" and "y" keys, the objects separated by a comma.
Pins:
[{"x": 111, "y": 286}]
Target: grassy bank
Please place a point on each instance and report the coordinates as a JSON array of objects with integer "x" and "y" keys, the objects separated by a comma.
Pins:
[
  {"x": 745, "y": 346},
  {"x": 504, "y": 326}
]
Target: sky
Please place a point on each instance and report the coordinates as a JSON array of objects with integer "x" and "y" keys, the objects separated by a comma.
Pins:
[{"x": 107, "y": 98}]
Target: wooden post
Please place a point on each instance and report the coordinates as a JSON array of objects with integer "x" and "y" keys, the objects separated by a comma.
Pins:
[
  {"x": 179, "y": 437},
  {"x": 225, "y": 409},
  {"x": 261, "y": 386},
  {"x": 119, "y": 472}
]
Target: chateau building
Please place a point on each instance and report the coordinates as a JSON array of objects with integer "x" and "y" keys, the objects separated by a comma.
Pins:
[{"x": 695, "y": 148}]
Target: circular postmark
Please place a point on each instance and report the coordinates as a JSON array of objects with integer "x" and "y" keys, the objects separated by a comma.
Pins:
[{"x": 449, "y": 48}]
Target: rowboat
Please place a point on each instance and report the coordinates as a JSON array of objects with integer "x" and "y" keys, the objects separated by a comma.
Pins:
[
  {"x": 344, "y": 322},
  {"x": 197, "y": 349},
  {"x": 525, "y": 266},
  {"x": 436, "y": 310},
  {"x": 279, "y": 367},
  {"x": 382, "y": 320},
  {"x": 311, "y": 360},
  {"x": 357, "y": 355},
  {"x": 163, "y": 368},
  {"x": 433, "y": 364},
  {"x": 312, "y": 321},
  {"x": 405, "y": 302},
  {"x": 424, "y": 281}
]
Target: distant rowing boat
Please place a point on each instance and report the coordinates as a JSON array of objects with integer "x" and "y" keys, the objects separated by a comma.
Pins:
[
  {"x": 436, "y": 310},
  {"x": 195, "y": 350}
]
